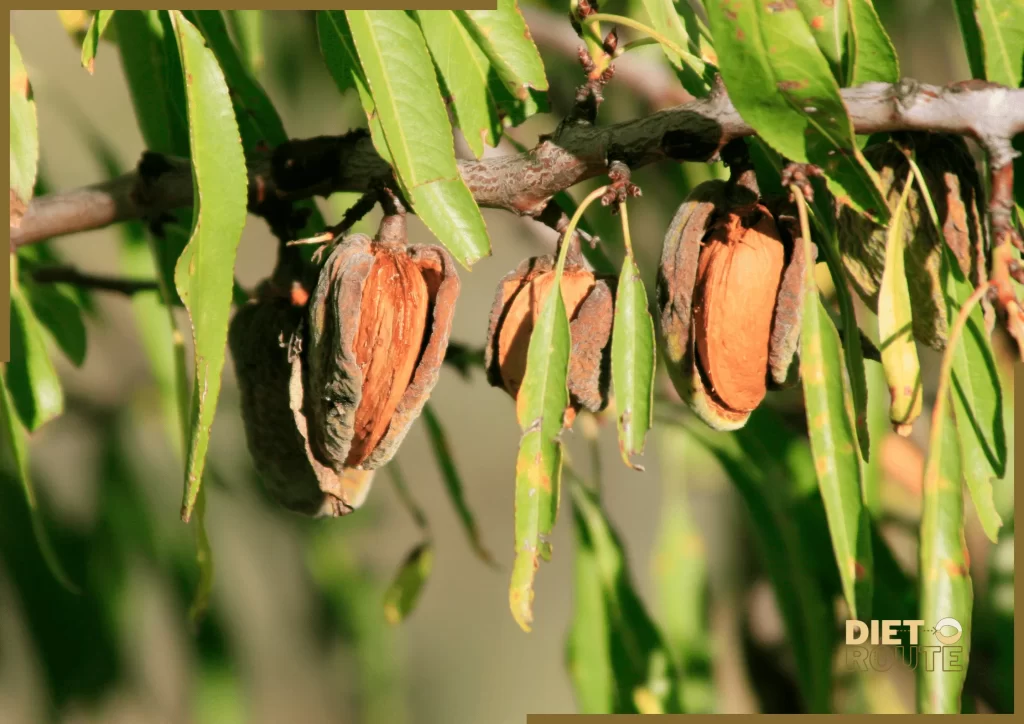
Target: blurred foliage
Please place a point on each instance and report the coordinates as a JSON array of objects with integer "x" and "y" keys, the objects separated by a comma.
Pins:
[{"x": 766, "y": 536}]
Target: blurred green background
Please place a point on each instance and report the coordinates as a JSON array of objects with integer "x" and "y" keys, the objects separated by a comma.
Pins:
[{"x": 296, "y": 628}]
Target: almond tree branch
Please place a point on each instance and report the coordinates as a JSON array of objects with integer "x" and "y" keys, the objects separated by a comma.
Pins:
[{"x": 523, "y": 183}]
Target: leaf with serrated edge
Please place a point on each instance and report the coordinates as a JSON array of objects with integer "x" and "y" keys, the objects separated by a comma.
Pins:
[
  {"x": 204, "y": 272},
  {"x": 830, "y": 424},
  {"x": 402, "y": 82},
  {"x": 782, "y": 85}
]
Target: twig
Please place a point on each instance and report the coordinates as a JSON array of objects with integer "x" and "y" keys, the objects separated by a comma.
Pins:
[{"x": 70, "y": 275}]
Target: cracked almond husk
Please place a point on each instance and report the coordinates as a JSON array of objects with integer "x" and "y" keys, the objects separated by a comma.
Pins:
[
  {"x": 730, "y": 303},
  {"x": 379, "y": 321},
  {"x": 952, "y": 179},
  {"x": 589, "y": 305},
  {"x": 266, "y": 338}
]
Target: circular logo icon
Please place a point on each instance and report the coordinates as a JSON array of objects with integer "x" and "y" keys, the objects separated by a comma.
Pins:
[{"x": 950, "y": 639}]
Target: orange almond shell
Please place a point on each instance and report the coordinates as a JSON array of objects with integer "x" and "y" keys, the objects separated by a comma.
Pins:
[
  {"x": 677, "y": 288},
  {"x": 738, "y": 280},
  {"x": 589, "y": 304},
  {"x": 380, "y": 318},
  {"x": 271, "y": 385}
]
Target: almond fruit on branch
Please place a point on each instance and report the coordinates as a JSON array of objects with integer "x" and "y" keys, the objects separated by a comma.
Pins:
[
  {"x": 729, "y": 301},
  {"x": 589, "y": 304},
  {"x": 266, "y": 342},
  {"x": 380, "y": 317}
]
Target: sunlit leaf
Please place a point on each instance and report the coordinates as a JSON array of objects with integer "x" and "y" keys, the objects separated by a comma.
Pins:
[
  {"x": 633, "y": 362},
  {"x": 24, "y": 138},
  {"x": 401, "y": 78},
  {"x": 91, "y": 43},
  {"x": 782, "y": 85},
  {"x": 204, "y": 273},
  {"x": 465, "y": 71},
  {"x": 503, "y": 35}
]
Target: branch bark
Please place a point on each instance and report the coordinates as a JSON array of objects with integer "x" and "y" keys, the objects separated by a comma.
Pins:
[{"x": 523, "y": 183}]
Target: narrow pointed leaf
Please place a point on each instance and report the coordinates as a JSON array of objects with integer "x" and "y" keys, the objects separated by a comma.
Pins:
[
  {"x": 971, "y": 35},
  {"x": 339, "y": 53},
  {"x": 871, "y": 55},
  {"x": 58, "y": 310},
  {"x": 453, "y": 482},
  {"x": 24, "y": 138},
  {"x": 830, "y": 422},
  {"x": 690, "y": 69},
  {"x": 504, "y": 37},
  {"x": 247, "y": 28},
  {"x": 14, "y": 455},
  {"x": 465, "y": 73},
  {"x": 141, "y": 42},
  {"x": 680, "y": 573},
  {"x": 403, "y": 593},
  {"x": 91, "y": 43},
  {"x": 204, "y": 273},
  {"x": 782, "y": 85},
  {"x": 977, "y": 401},
  {"x": 258, "y": 121},
  {"x": 896, "y": 325},
  {"x": 35, "y": 389},
  {"x": 633, "y": 362},
  {"x": 945, "y": 579},
  {"x": 401, "y": 78},
  {"x": 540, "y": 408},
  {"x": 629, "y": 668},
  {"x": 773, "y": 471}
]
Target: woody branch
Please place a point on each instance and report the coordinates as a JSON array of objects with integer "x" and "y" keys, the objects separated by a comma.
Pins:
[{"x": 523, "y": 183}]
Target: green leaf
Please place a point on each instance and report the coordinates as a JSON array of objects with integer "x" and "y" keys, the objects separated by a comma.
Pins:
[
  {"x": 896, "y": 325},
  {"x": 1001, "y": 23},
  {"x": 401, "y": 78},
  {"x": 91, "y": 43},
  {"x": 692, "y": 71},
  {"x": 972, "y": 37},
  {"x": 465, "y": 73},
  {"x": 830, "y": 422},
  {"x": 680, "y": 573},
  {"x": 339, "y": 53},
  {"x": 540, "y": 409},
  {"x": 203, "y": 274},
  {"x": 871, "y": 55},
  {"x": 453, "y": 482},
  {"x": 14, "y": 456},
  {"x": 504, "y": 37},
  {"x": 828, "y": 23},
  {"x": 258, "y": 120},
  {"x": 58, "y": 309},
  {"x": 153, "y": 80},
  {"x": 633, "y": 362},
  {"x": 247, "y": 28},
  {"x": 403, "y": 593},
  {"x": 773, "y": 472},
  {"x": 782, "y": 85},
  {"x": 24, "y": 137},
  {"x": 944, "y": 579},
  {"x": 617, "y": 659},
  {"x": 977, "y": 401},
  {"x": 31, "y": 378}
]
